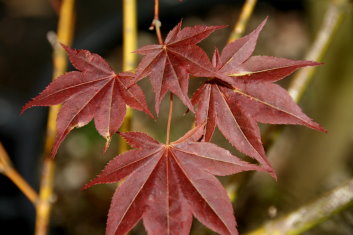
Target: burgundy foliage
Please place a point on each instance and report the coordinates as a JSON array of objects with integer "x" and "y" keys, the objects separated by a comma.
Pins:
[
  {"x": 165, "y": 185},
  {"x": 169, "y": 65},
  {"x": 250, "y": 98},
  {"x": 94, "y": 92}
]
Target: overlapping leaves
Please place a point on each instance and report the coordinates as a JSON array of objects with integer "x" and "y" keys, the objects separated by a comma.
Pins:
[
  {"x": 250, "y": 98},
  {"x": 168, "y": 65},
  {"x": 166, "y": 184}
]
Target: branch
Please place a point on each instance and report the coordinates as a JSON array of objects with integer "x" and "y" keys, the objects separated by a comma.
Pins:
[
  {"x": 238, "y": 30},
  {"x": 310, "y": 215},
  {"x": 129, "y": 58},
  {"x": 7, "y": 169},
  {"x": 244, "y": 17},
  {"x": 46, "y": 195},
  {"x": 331, "y": 22}
]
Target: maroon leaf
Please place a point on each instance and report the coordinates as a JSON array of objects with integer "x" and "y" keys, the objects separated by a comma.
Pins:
[
  {"x": 249, "y": 98},
  {"x": 94, "y": 92},
  {"x": 266, "y": 68},
  {"x": 166, "y": 184},
  {"x": 169, "y": 65},
  {"x": 218, "y": 106}
]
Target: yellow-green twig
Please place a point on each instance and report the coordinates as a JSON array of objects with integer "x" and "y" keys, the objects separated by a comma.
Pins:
[
  {"x": 244, "y": 17},
  {"x": 46, "y": 194},
  {"x": 7, "y": 169},
  {"x": 332, "y": 20},
  {"x": 310, "y": 215},
  {"x": 129, "y": 58},
  {"x": 238, "y": 30}
]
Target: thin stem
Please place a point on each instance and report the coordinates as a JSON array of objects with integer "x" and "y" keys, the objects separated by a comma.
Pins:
[
  {"x": 170, "y": 115},
  {"x": 46, "y": 193},
  {"x": 129, "y": 58},
  {"x": 310, "y": 215},
  {"x": 7, "y": 169},
  {"x": 156, "y": 23},
  {"x": 244, "y": 17},
  {"x": 156, "y": 9}
]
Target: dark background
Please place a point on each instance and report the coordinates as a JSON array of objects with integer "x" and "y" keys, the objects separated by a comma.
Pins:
[{"x": 308, "y": 163}]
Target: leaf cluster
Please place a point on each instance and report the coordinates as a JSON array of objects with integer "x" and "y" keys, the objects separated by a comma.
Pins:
[{"x": 166, "y": 184}]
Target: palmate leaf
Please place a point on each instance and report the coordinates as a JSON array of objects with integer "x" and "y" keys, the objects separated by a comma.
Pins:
[
  {"x": 164, "y": 185},
  {"x": 94, "y": 92},
  {"x": 169, "y": 65},
  {"x": 237, "y": 106}
]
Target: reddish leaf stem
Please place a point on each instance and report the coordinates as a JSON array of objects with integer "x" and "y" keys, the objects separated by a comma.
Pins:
[
  {"x": 169, "y": 118},
  {"x": 156, "y": 23}
]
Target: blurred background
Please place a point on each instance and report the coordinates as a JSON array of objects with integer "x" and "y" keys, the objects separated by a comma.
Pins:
[{"x": 308, "y": 163}]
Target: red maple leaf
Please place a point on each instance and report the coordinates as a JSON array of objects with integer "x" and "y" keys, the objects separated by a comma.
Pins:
[
  {"x": 249, "y": 98},
  {"x": 168, "y": 65},
  {"x": 164, "y": 185},
  {"x": 94, "y": 92}
]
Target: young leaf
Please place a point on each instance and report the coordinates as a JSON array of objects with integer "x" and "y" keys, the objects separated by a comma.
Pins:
[
  {"x": 94, "y": 92},
  {"x": 169, "y": 65},
  {"x": 249, "y": 98},
  {"x": 164, "y": 185}
]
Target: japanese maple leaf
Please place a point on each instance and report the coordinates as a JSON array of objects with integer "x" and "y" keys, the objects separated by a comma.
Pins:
[
  {"x": 250, "y": 97},
  {"x": 164, "y": 185},
  {"x": 94, "y": 92},
  {"x": 168, "y": 65}
]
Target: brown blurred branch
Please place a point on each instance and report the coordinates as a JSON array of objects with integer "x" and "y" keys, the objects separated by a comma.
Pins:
[
  {"x": 7, "y": 169},
  {"x": 310, "y": 215},
  {"x": 46, "y": 195},
  {"x": 244, "y": 17}
]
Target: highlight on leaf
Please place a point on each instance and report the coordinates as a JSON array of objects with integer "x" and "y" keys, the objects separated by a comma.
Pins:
[
  {"x": 250, "y": 97},
  {"x": 165, "y": 185},
  {"x": 94, "y": 92}
]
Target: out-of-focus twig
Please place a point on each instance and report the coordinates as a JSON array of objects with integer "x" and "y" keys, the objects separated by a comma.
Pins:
[
  {"x": 7, "y": 169},
  {"x": 238, "y": 30},
  {"x": 46, "y": 194},
  {"x": 129, "y": 58},
  {"x": 244, "y": 17},
  {"x": 310, "y": 215},
  {"x": 331, "y": 22}
]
